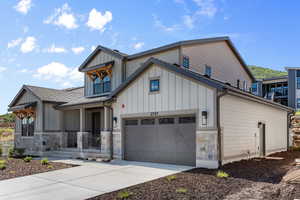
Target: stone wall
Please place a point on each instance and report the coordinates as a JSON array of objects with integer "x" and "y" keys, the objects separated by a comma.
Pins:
[
  {"x": 207, "y": 148},
  {"x": 117, "y": 143}
]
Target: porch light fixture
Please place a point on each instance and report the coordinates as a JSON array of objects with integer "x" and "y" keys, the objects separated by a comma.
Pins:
[
  {"x": 204, "y": 118},
  {"x": 115, "y": 119}
]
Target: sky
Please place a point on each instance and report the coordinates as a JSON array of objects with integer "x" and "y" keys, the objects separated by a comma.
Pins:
[{"x": 42, "y": 43}]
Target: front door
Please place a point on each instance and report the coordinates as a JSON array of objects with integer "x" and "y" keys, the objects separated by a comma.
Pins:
[
  {"x": 95, "y": 139},
  {"x": 262, "y": 139}
]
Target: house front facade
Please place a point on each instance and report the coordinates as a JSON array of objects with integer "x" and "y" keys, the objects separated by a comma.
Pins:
[{"x": 184, "y": 103}]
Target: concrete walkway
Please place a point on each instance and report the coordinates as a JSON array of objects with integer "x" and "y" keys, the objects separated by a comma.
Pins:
[{"x": 88, "y": 180}]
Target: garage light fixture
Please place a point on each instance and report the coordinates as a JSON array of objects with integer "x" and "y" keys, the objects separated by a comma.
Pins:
[{"x": 204, "y": 118}]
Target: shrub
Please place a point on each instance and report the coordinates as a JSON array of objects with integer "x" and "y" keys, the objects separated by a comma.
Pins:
[
  {"x": 124, "y": 194},
  {"x": 50, "y": 167},
  {"x": 45, "y": 161},
  {"x": 0, "y": 150},
  {"x": 16, "y": 152},
  {"x": 221, "y": 174},
  {"x": 27, "y": 159},
  {"x": 2, "y": 162},
  {"x": 2, "y": 166},
  {"x": 181, "y": 190},
  {"x": 11, "y": 151},
  {"x": 171, "y": 178}
]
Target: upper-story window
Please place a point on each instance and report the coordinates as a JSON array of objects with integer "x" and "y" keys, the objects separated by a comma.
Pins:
[
  {"x": 101, "y": 86},
  {"x": 28, "y": 126},
  {"x": 186, "y": 61},
  {"x": 154, "y": 85},
  {"x": 298, "y": 79},
  {"x": 208, "y": 70},
  {"x": 298, "y": 103},
  {"x": 254, "y": 88}
]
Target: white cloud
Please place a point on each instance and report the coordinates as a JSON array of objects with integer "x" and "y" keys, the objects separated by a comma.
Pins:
[
  {"x": 188, "y": 21},
  {"x": 60, "y": 73},
  {"x": 23, "y": 6},
  {"x": 24, "y": 70},
  {"x": 55, "y": 49},
  {"x": 138, "y": 45},
  {"x": 2, "y": 69},
  {"x": 78, "y": 50},
  {"x": 206, "y": 7},
  {"x": 93, "y": 48},
  {"x": 28, "y": 45},
  {"x": 63, "y": 17},
  {"x": 97, "y": 21},
  {"x": 163, "y": 27},
  {"x": 14, "y": 43}
]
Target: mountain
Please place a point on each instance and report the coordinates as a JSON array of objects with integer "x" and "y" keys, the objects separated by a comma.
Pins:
[{"x": 262, "y": 72}]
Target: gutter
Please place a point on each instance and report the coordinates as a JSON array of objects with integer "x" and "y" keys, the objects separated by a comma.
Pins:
[{"x": 220, "y": 147}]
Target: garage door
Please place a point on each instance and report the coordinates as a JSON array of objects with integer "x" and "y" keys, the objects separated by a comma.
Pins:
[{"x": 164, "y": 140}]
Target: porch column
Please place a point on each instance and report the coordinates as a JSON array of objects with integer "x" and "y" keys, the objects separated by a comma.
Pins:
[
  {"x": 82, "y": 136},
  {"x": 106, "y": 133}
]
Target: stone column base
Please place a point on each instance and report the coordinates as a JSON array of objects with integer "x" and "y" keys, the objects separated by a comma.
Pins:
[
  {"x": 105, "y": 142},
  {"x": 82, "y": 140}
]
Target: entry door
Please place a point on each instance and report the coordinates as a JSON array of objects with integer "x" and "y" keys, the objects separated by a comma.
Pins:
[
  {"x": 262, "y": 139},
  {"x": 95, "y": 139}
]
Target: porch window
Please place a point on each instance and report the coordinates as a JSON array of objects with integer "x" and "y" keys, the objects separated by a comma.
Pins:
[
  {"x": 101, "y": 86},
  {"x": 28, "y": 126}
]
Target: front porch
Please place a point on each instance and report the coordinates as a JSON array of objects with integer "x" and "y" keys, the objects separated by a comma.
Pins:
[{"x": 86, "y": 132}]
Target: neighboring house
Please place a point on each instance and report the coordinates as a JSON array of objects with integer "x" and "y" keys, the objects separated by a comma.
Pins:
[
  {"x": 275, "y": 89},
  {"x": 185, "y": 103}
]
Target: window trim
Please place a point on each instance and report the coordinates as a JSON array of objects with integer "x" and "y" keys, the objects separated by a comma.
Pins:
[{"x": 159, "y": 85}]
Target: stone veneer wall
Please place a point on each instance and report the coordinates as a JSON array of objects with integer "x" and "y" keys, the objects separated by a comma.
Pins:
[
  {"x": 117, "y": 144},
  {"x": 207, "y": 148},
  {"x": 39, "y": 143}
]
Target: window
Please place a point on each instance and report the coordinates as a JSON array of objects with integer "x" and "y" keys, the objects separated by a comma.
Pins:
[
  {"x": 298, "y": 79},
  {"x": 298, "y": 103},
  {"x": 186, "y": 61},
  {"x": 166, "y": 121},
  {"x": 28, "y": 126},
  {"x": 148, "y": 121},
  {"x": 187, "y": 120},
  {"x": 245, "y": 85},
  {"x": 131, "y": 122},
  {"x": 254, "y": 88},
  {"x": 101, "y": 86},
  {"x": 154, "y": 85},
  {"x": 208, "y": 71}
]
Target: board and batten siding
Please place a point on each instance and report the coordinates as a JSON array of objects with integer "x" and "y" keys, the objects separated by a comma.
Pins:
[
  {"x": 103, "y": 57},
  {"x": 239, "y": 120},
  {"x": 170, "y": 56},
  {"x": 27, "y": 97},
  {"x": 225, "y": 65},
  {"x": 176, "y": 94},
  {"x": 53, "y": 118}
]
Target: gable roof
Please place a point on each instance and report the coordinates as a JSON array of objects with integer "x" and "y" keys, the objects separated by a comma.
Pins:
[
  {"x": 197, "y": 77},
  {"x": 170, "y": 46},
  {"x": 49, "y": 95}
]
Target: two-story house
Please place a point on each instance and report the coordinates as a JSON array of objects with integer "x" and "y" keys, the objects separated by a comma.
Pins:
[{"x": 184, "y": 103}]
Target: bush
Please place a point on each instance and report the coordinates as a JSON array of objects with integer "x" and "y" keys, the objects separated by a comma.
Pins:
[
  {"x": 2, "y": 162},
  {"x": 171, "y": 178},
  {"x": 221, "y": 174},
  {"x": 181, "y": 190},
  {"x": 27, "y": 159},
  {"x": 0, "y": 150},
  {"x": 2, "y": 166},
  {"x": 124, "y": 194},
  {"x": 45, "y": 161},
  {"x": 50, "y": 167},
  {"x": 16, "y": 152}
]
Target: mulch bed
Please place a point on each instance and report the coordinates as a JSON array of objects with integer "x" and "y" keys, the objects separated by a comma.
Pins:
[
  {"x": 17, "y": 167},
  {"x": 249, "y": 179}
]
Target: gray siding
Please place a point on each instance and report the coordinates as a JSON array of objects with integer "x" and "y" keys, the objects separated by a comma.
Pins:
[
  {"x": 103, "y": 57},
  {"x": 27, "y": 97},
  {"x": 292, "y": 88},
  {"x": 53, "y": 118},
  {"x": 72, "y": 120}
]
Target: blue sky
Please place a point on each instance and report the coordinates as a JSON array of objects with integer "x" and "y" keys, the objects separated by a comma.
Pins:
[{"x": 43, "y": 42}]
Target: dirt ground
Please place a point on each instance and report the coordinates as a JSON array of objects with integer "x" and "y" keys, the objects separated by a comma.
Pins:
[
  {"x": 17, "y": 167},
  {"x": 248, "y": 179}
]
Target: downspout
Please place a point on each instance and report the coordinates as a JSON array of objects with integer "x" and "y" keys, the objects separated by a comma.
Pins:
[
  {"x": 111, "y": 135},
  {"x": 219, "y": 96}
]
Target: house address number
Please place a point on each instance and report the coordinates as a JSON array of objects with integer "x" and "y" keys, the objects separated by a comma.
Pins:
[{"x": 154, "y": 114}]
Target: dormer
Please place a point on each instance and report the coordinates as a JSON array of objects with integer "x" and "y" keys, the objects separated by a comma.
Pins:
[{"x": 103, "y": 71}]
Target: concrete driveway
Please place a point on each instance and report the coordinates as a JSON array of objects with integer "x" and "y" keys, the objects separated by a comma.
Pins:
[{"x": 88, "y": 180}]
